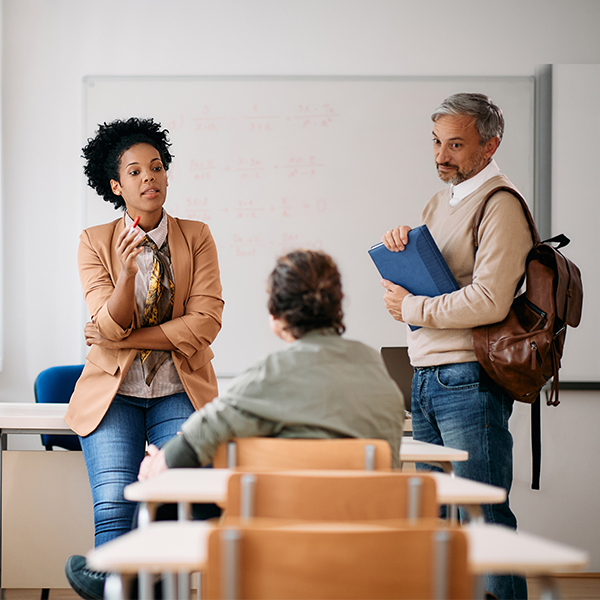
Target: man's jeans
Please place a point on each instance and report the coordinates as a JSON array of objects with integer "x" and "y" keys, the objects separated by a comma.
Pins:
[
  {"x": 453, "y": 406},
  {"x": 114, "y": 450}
]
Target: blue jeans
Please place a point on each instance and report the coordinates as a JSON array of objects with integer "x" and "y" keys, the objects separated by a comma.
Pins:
[
  {"x": 114, "y": 450},
  {"x": 453, "y": 405}
]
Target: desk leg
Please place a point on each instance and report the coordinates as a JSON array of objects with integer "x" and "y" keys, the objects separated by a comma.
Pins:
[
  {"x": 146, "y": 586},
  {"x": 453, "y": 513},
  {"x": 184, "y": 513},
  {"x": 447, "y": 467},
  {"x": 146, "y": 514},
  {"x": 169, "y": 585},
  {"x": 145, "y": 517},
  {"x": 475, "y": 513},
  {"x": 3, "y": 447},
  {"x": 184, "y": 587}
]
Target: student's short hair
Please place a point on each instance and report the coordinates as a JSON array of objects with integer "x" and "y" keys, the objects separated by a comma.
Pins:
[
  {"x": 104, "y": 151},
  {"x": 488, "y": 117},
  {"x": 305, "y": 291}
]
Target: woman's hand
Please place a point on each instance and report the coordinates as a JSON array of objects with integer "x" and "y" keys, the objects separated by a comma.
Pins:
[
  {"x": 146, "y": 338},
  {"x": 153, "y": 464},
  {"x": 93, "y": 337},
  {"x": 396, "y": 239},
  {"x": 128, "y": 249},
  {"x": 121, "y": 304}
]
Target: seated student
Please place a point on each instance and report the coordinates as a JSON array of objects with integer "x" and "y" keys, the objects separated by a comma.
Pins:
[{"x": 319, "y": 386}]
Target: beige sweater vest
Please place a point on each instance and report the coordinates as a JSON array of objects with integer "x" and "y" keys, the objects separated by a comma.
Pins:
[{"x": 487, "y": 282}]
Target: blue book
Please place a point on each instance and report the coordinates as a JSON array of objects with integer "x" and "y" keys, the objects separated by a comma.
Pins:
[{"x": 420, "y": 267}]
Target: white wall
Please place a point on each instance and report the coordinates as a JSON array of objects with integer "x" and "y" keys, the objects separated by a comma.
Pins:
[{"x": 48, "y": 46}]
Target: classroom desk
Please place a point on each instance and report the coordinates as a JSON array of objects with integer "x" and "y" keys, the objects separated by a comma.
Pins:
[
  {"x": 63, "y": 522},
  {"x": 32, "y": 418},
  {"x": 162, "y": 547},
  {"x": 27, "y": 417},
  {"x": 172, "y": 546},
  {"x": 188, "y": 486},
  {"x": 458, "y": 491},
  {"x": 498, "y": 549},
  {"x": 412, "y": 450}
]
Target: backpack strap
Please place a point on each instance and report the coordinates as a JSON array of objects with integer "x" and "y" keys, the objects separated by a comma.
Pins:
[
  {"x": 479, "y": 214},
  {"x": 536, "y": 443},
  {"x": 536, "y": 425},
  {"x": 561, "y": 239}
]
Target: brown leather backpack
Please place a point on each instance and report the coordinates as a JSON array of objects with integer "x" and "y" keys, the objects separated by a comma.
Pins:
[{"x": 523, "y": 352}]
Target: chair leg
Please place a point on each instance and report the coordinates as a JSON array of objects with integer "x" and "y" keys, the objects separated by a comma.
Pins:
[{"x": 45, "y": 594}]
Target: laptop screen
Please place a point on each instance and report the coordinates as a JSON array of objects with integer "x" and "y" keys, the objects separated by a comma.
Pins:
[{"x": 398, "y": 365}]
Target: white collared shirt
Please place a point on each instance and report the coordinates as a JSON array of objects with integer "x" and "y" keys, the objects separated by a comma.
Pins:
[{"x": 462, "y": 190}]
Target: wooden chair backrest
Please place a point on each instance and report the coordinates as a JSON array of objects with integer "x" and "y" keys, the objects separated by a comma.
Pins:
[
  {"x": 285, "y": 453},
  {"x": 332, "y": 495},
  {"x": 315, "y": 563}
]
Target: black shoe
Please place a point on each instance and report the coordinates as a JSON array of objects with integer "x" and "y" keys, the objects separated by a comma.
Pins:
[{"x": 88, "y": 584}]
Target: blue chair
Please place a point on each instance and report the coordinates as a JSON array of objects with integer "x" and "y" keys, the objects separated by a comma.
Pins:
[{"x": 55, "y": 386}]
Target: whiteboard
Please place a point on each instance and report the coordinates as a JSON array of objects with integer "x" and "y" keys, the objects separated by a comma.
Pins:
[
  {"x": 575, "y": 207},
  {"x": 276, "y": 163}
]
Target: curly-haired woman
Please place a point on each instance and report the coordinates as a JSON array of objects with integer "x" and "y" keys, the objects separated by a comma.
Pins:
[
  {"x": 319, "y": 386},
  {"x": 152, "y": 286}
]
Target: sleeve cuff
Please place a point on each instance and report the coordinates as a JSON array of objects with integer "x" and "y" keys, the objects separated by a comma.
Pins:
[
  {"x": 109, "y": 328},
  {"x": 409, "y": 314},
  {"x": 179, "y": 454}
]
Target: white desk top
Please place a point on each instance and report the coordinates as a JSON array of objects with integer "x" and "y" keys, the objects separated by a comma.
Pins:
[
  {"x": 173, "y": 545},
  {"x": 181, "y": 485},
  {"x": 412, "y": 450},
  {"x": 457, "y": 490},
  {"x": 210, "y": 485},
  {"x": 30, "y": 416},
  {"x": 162, "y": 546},
  {"x": 497, "y": 549},
  {"x": 192, "y": 486}
]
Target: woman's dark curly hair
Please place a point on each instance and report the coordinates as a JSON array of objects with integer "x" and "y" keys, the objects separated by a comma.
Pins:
[
  {"x": 305, "y": 291},
  {"x": 104, "y": 151}
]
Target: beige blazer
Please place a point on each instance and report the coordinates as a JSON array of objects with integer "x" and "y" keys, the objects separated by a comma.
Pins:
[{"x": 196, "y": 321}]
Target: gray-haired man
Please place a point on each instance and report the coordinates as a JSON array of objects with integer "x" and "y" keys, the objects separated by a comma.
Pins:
[{"x": 453, "y": 401}]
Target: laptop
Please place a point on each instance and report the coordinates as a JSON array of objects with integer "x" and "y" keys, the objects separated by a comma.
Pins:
[{"x": 398, "y": 365}]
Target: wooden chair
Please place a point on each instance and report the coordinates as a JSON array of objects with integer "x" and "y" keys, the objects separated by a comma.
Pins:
[
  {"x": 285, "y": 453},
  {"x": 331, "y": 496},
  {"x": 326, "y": 561}
]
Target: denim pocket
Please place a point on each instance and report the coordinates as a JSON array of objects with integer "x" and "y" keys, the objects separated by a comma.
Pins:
[{"x": 459, "y": 375}]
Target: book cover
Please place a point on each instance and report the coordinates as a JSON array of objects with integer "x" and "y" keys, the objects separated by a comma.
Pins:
[{"x": 420, "y": 267}]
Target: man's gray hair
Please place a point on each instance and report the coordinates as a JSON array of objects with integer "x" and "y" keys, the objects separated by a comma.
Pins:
[{"x": 488, "y": 117}]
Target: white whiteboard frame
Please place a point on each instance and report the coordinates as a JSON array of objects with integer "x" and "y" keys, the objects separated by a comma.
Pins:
[{"x": 1, "y": 210}]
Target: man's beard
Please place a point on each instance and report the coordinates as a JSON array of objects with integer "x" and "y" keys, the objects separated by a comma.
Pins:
[{"x": 460, "y": 175}]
